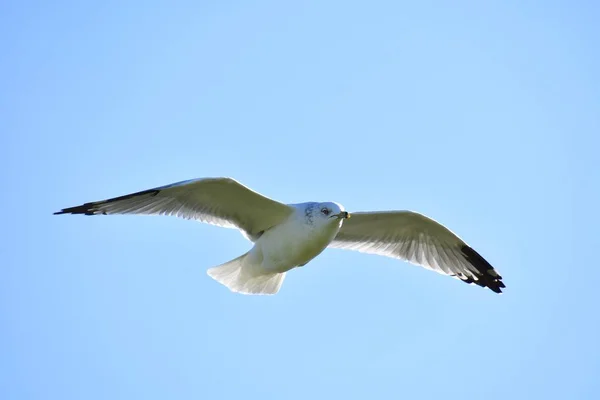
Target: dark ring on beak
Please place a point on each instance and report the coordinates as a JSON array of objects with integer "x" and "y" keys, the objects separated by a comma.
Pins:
[{"x": 343, "y": 214}]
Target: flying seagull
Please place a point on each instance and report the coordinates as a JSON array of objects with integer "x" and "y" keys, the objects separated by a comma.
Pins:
[{"x": 287, "y": 236}]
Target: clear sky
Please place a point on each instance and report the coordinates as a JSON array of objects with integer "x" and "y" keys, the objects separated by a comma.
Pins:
[{"x": 480, "y": 114}]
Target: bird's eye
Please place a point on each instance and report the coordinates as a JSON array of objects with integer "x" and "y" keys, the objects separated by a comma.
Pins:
[{"x": 325, "y": 211}]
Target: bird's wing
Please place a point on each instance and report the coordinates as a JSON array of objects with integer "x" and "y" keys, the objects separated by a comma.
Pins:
[
  {"x": 218, "y": 201},
  {"x": 420, "y": 240}
]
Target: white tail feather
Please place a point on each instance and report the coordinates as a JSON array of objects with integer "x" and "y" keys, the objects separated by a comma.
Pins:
[{"x": 241, "y": 275}]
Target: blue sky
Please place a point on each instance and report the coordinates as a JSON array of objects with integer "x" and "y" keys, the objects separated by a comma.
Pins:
[{"x": 482, "y": 115}]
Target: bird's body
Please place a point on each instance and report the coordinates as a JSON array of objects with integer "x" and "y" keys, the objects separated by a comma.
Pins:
[
  {"x": 289, "y": 236},
  {"x": 297, "y": 240}
]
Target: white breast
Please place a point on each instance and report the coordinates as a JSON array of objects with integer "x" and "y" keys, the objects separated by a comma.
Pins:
[{"x": 294, "y": 242}]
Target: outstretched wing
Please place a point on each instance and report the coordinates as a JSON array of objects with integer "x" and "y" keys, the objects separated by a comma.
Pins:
[
  {"x": 420, "y": 240},
  {"x": 218, "y": 201}
]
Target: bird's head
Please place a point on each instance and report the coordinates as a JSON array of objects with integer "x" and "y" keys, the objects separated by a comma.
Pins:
[{"x": 331, "y": 211}]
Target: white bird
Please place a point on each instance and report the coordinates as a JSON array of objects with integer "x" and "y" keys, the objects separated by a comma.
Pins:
[{"x": 287, "y": 236}]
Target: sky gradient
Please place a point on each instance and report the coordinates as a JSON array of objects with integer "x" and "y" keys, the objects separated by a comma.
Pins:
[{"x": 481, "y": 115}]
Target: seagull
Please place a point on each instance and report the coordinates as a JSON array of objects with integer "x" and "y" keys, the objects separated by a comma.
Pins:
[{"x": 287, "y": 236}]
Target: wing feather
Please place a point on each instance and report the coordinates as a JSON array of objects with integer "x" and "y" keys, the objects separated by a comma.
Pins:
[
  {"x": 218, "y": 201},
  {"x": 419, "y": 240}
]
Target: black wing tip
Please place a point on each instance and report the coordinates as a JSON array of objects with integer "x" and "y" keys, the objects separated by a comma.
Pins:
[
  {"x": 85, "y": 209},
  {"x": 488, "y": 276},
  {"x": 92, "y": 208}
]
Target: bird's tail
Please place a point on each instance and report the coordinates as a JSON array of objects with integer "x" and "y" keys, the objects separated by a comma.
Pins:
[{"x": 245, "y": 275}]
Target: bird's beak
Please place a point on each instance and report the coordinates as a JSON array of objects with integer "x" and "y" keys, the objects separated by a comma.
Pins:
[{"x": 343, "y": 215}]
